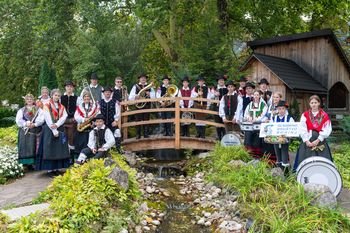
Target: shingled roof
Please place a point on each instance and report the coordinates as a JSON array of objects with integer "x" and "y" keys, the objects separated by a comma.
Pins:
[
  {"x": 292, "y": 75},
  {"x": 302, "y": 36}
]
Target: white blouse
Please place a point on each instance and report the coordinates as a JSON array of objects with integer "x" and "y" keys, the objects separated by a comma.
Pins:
[{"x": 306, "y": 134}]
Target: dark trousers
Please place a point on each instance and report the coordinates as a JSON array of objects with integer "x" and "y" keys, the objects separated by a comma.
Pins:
[
  {"x": 200, "y": 131},
  {"x": 282, "y": 153},
  {"x": 220, "y": 131},
  {"x": 118, "y": 140},
  {"x": 185, "y": 130},
  {"x": 88, "y": 152},
  {"x": 142, "y": 128},
  {"x": 168, "y": 131}
]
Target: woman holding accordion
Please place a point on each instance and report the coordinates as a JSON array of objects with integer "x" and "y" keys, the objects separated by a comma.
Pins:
[
  {"x": 315, "y": 128},
  {"x": 254, "y": 114}
]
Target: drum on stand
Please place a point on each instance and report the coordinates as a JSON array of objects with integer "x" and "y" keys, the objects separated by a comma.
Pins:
[
  {"x": 256, "y": 126},
  {"x": 319, "y": 170}
]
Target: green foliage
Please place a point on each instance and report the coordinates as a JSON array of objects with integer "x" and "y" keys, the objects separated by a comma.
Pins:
[
  {"x": 47, "y": 77},
  {"x": 344, "y": 124},
  {"x": 4, "y": 220},
  {"x": 274, "y": 204},
  {"x": 84, "y": 199},
  {"x": 7, "y": 117},
  {"x": 294, "y": 144},
  {"x": 295, "y": 110},
  {"x": 341, "y": 159},
  {"x": 8, "y": 135}
]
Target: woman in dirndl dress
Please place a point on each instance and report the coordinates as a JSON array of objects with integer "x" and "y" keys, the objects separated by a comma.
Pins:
[
  {"x": 53, "y": 153},
  {"x": 315, "y": 128},
  {"x": 29, "y": 121},
  {"x": 254, "y": 113},
  {"x": 85, "y": 112}
]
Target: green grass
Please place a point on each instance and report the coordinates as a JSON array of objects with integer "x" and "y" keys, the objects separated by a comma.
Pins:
[
  {"x": 8, "y": 136},
  {"x": 274, "y": 204},
  {"x": 342, "y": 160}
]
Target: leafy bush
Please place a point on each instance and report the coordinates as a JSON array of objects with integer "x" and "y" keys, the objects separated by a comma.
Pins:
[
  {"x": 9, "y": 166},
  {"x": 84, "y": 199},
  {"x": 274, "y": 204},
  {"x": 7, "y": 117},
  {"x": 8, "y": 136},
  {"x": 294, "y": 145},
  {"x": 4, "y": 220},
  {"x": 341, "y": 159}
]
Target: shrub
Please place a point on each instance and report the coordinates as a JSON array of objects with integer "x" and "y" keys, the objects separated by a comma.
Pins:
[
  {"x": 341, "y": 159},
  {"x": 4, "y": 220},
  {"x": 9, "y": 166},
  {"x": 84, "y": 199},
  {"x": 8, "y": 136},
  {"x": 274, "y": 204}
]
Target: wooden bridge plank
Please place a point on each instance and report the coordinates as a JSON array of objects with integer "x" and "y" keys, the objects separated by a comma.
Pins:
[{"x": 177, "y": 125}]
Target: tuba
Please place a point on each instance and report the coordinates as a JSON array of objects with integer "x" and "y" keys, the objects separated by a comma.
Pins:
[
  {"x": 142, "y": 95},
  {"x": 171, "y": 91},
  {"x": 187, "y": 115}
]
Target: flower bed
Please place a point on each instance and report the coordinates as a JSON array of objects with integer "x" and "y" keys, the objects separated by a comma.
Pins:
[{"x": 9, "y": 166}]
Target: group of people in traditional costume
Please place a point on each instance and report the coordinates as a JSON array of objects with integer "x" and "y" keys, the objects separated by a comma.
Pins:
[{"x": 55, "y": 127}]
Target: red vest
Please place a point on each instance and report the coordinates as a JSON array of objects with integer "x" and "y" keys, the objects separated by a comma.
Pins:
[{"x": 186, "y": 93}]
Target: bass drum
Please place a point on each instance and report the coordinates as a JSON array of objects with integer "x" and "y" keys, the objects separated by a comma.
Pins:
[
  {"x": 319, "y": 170},
  {"x": 231, "y": 139}
]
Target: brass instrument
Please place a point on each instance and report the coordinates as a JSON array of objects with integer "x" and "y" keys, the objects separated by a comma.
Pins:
[
  {"x": 187, "y": 115},
  {"x": 171, "y": 91},
  {"x": 200, "y": 96},
  {"x": 142, "y": 95},
  {"x": 86, "y": 124},
  {"x": 124, "y": 96}
]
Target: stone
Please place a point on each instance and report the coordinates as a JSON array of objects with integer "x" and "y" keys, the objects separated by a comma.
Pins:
[
  {"x": 197, "y": 201},
  {"x": 108, "y": 162},
  {"x": 207, "y": 223},
  {"x": 152, "y": 215},
  {"x": 236, "y": 163},
  {"x": 121, "y": 177},
  {"x": 150, "y": 176},
  {"x": 146, "y": 228},
  {"x": 130, "y": 158},
  {"x": 144, "y": 222},
  {"x": 138, "y": 229},
  {"x": 161, "y": 215},
  {"x": 203, "y": 155},
  {"x": 123, "y": 231},
  {"x": 182, "y": 191},
  {"x": 230, "y": 226},
  {"x": 166, "y": 194},
  {"x": 156, "y": 222},
  {"x": 143, "y": 207},
  {"x": 201, "y": 221},
  {"x": 322, "y": 195},
  {"x": 277, "y": 172},
  {"x": 253, "y": 162},
  {"x": 150, "y": 189},
  {"x": 207, "y": 214}
]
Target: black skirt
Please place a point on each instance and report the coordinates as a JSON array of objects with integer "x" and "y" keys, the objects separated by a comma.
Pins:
[{"x": 27, "y": 145}]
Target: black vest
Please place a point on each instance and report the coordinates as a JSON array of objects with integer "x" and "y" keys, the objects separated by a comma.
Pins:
[
  {"x": 100, "y": 137},
  {"x": 163, "y": 90},
  {"x": 117, "y": 94},
  {"x": 246, "y": 101},
  {"x": 230, "y": 111},
  {"x": 70, "y": 103},
  {"x": 222, "y": 91},
  {"x": 108, "y": 111}
]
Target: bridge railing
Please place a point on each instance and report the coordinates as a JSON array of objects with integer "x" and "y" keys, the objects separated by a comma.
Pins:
[{"x": 124, "y": 124}]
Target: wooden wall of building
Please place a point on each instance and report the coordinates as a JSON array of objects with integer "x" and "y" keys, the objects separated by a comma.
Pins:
[{"x": 317, "y": 56}]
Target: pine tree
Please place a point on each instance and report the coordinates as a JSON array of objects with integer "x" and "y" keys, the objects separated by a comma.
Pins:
[{"x": 47, "y": 76}]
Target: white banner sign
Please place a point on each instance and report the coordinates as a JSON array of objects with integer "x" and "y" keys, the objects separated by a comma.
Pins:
[{"x": 279, "y": 129}]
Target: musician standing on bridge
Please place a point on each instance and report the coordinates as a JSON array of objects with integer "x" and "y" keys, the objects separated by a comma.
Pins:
[
  {"x": 110, "y": 109},
  {"x": 218, "y": 93},
  {"x": 69, "y": 101},
  {"x": 230, "y": 108},
  {"x": 83, "y": 115},
  {"x": 315, "y": 128},
  {"x": 200, "y": 91},
  {"x": 134, "y": 95},
  {"x": 95, "y": 89},
  {"x": 162, "y": 91},
  {"x": 185, "y": 91},
  {"x": 29, "y": 121}
]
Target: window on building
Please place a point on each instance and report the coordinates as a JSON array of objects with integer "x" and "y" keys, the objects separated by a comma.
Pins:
[{"x": 338, "y": 96}]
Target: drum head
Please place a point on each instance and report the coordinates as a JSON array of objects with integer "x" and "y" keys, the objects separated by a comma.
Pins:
[
  {"x": 230, "y": 139},
  {"x": 320, "y": 172}
]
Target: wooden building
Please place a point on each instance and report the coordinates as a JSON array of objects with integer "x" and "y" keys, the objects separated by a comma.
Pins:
[{"x": 303, "y": 64}]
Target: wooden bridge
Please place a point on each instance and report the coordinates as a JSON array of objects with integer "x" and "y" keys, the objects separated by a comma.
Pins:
[{"x": 154, "y": 142}]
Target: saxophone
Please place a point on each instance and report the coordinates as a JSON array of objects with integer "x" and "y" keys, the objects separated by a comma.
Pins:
[
  {"x": 86, "y": 124},
  {"x": 142, "y": 95}
]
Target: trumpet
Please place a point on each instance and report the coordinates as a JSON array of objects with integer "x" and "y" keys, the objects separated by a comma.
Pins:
[{"x": 142, "y": 95}]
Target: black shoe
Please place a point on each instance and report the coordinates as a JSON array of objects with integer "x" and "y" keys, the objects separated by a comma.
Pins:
[
  {"x": 286, "y": 171},
  {"x": 145, "y": 136},
  {"x": 138, "y": 136}
]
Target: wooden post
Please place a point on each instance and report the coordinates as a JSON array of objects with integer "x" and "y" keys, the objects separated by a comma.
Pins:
[{"x": 177, "y": 123}]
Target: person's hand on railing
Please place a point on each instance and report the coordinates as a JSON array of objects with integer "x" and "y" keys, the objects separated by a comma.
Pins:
[
  {"x": 114, "y": 123},
  {"x": 148, "y": 93}
]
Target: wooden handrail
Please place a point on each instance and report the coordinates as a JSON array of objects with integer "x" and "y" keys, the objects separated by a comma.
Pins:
[{"x": 177, "y": 120}]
